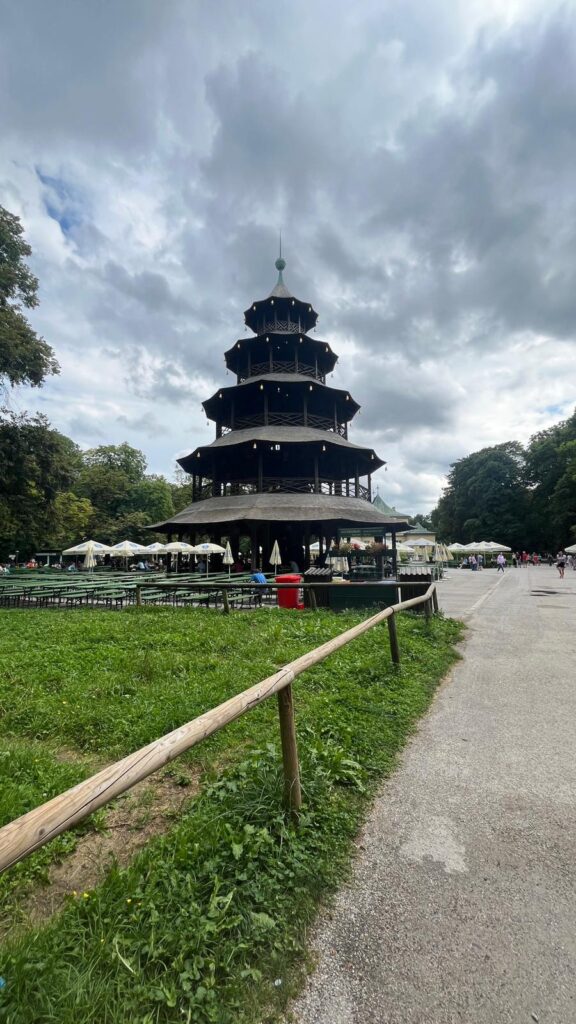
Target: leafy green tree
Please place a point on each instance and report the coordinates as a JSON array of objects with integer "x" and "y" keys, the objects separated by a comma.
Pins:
[
  {"x": 551, "y": 470},
  {"x": 25, "y": 358},
  {"x": 36, "y": 464},
  {"x": 181, "y": 490},
  {"x": 125, "y": 499},
  {"x": 153, "y": 496},
  {"x": 71, "y": 518},
  {"x": 486, "y": 497},
  {"x": 423, "y": 520}
]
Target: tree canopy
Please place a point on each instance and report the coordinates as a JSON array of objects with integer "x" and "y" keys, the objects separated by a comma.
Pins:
[
  {"x": 523, "y": 497},
  {"x": 25, "y": 358},
  {"x": 52, "y": 495},
  {"x": 37, "y": 464}
]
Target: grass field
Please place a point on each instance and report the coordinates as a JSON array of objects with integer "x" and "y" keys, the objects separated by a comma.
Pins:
[{"x": 208, "y": 923}]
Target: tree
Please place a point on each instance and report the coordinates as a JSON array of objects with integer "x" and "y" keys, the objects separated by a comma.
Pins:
[
  {"x": 36, "y": 464},
  {"x": 71, "y": 518},
  {"x": 25, "y": 358},
  {"x": 551, "y": 470},
  {"x": 486, "y": 497},
  {"x": 125, "y": 499},
  {"x": 181, "y": 490}
]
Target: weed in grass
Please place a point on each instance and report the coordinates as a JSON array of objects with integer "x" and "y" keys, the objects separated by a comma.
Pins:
[{"x": 205, "y": 920}]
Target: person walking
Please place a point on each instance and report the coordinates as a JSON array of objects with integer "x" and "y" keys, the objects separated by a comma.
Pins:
[
  {"x": 560, "y": 564},
  {"x": 501, "y": 563}
]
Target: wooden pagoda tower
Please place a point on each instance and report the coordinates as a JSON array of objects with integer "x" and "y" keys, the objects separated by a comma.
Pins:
[{"x": 281, "y": 466}]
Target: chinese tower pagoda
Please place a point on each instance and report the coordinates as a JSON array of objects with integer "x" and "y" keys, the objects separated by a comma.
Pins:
[{"x": 281, "y": 466}]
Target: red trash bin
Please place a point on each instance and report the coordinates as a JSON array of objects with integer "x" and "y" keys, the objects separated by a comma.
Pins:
[{"x": 291, "y": 597}]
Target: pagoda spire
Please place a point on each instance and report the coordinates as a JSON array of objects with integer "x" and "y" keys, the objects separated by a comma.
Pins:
[{"x": 280, "y": 290}]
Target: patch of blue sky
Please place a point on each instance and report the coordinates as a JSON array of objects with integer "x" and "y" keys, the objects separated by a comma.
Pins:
[
  {"x": 63, "y": 202},
  {"x": 556, "y": 409}
]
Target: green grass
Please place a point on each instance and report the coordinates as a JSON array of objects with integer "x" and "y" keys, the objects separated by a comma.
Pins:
[
  {"x": 109, "y": 684},
  {"x": 210, "y": 916},
  {"x": 30, "y": 775}
]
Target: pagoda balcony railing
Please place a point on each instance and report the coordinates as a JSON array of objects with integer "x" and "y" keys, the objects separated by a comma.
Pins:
[
  {"x": 292, "y": 419},
  {"x": 286, "y": 485},
  {"x": 280, "y": 327},
  {"x": 285, "y": 366}
]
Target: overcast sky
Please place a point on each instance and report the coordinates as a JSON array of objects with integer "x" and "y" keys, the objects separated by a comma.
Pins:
[{"x": 418, "y": 155}]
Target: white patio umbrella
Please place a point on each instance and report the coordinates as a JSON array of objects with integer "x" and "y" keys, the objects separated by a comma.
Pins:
[
  {"x": 155, "y": 549},
  {"x": 88, "y": 546},
  {"x": 89, "y": 560},
  {"x": 228, "y": 556},
  {"x": 493, "y": 546},
  {"x": 571, "y": 549},
  {"x": 127, "y": 549},
  {"x": 206, "y": 548},
  {"x": 178, "y": 547},
  {"x": 404, "y": 549},
  {"x": 275, "y": 557},
  {"x": 444, "y": 553},
  {"x": 456, "y": 547}
]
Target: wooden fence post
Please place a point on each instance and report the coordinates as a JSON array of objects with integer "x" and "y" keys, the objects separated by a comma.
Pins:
[
  {"x": 428, "y": 609},
  {"x": 393, "y": 637},
  {"x": 435, "y": 600},
  {"x": 313, "y": 601},
  {"x": 292, "y": 790},
  {"x": 139, "y": 597},
  {"x": 225, "y": 601}
]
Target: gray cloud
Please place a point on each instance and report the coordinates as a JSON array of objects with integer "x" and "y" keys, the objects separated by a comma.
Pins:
[{"x": 147, "y": 424}]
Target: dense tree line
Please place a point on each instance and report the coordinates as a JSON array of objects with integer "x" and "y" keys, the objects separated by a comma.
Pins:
[
  {"x": 521, "y": 496},
  {"x": 53, "y": 495}
]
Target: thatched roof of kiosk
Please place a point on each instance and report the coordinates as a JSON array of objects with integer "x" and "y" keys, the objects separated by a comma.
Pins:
[{"x": 281, "y": 507}]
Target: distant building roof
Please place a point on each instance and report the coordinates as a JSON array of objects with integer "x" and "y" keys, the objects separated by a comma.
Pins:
[
  {"x": 418, "y": 528},
  {"x": 381, "y": 505}
]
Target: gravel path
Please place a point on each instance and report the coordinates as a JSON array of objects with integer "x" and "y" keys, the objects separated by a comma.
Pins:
[{"x": 462, "y": 907}]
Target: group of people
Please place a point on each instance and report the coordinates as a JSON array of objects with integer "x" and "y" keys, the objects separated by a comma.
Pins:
[{"x": 522, "y": 558}]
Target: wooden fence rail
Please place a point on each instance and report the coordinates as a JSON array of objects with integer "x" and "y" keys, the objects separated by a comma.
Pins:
[{"x": 21, "y": 837}]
